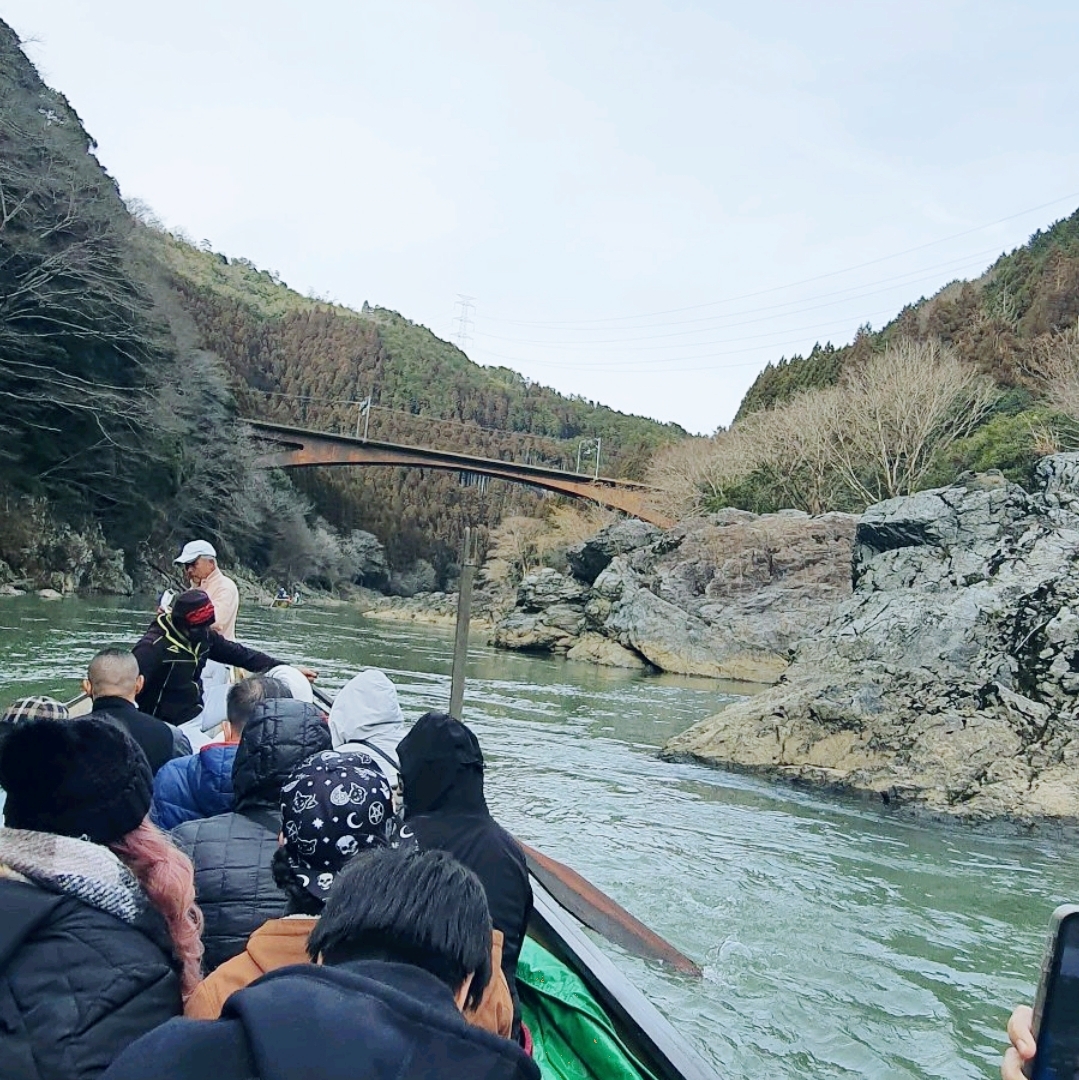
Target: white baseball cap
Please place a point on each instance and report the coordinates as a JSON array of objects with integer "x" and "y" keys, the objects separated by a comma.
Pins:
[{"x": 195, "y": 549}]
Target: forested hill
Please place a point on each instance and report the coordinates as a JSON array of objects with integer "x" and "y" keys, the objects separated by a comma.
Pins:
[
  {"x": 128, "y": 357},
  {"x": 310, "y": 363},
  {"x": 994, "y": 322}
]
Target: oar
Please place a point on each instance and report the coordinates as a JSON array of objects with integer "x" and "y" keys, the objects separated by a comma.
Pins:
[
  {"x": 602, "y": 914},
  {"x": 591, "y": 906}
]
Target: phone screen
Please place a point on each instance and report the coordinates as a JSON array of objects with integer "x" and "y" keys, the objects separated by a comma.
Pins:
[{"x": 1058, "y": 1034}]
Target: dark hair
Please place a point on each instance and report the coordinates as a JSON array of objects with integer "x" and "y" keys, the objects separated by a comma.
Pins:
[
  {"x": 414, "y": 907},
  {"x": 247, "y": 693},
  {"x": 300, "y": 901}
]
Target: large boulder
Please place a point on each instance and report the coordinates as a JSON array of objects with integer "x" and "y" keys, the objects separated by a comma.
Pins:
[
  {"x": 947, "y": 680},
  {"x": 544, "y": 588},
  {"x": 672, "y": 639},
  {"x": 589, "y": 559}
]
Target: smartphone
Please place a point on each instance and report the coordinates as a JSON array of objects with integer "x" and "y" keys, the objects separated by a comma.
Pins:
[
  {"x": 165, "y": 602},
  {"x": 1056, "y": 1008}
]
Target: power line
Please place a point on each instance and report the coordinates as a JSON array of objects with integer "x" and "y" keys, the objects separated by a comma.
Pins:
[
  {"x": 792, "y": 284},
  {"x": 973, "y": 260}
]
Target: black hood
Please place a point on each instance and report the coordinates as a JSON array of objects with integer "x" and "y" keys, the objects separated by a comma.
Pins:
[
  {"x": 281, "y": 733},
  {"x": 441, "y": 766}
]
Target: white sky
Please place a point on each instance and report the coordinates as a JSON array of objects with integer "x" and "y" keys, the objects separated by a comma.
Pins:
[{"x": 648, "y": 201}]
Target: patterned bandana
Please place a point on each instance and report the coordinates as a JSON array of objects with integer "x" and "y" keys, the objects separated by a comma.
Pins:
[{"x": 333, "y": 806}]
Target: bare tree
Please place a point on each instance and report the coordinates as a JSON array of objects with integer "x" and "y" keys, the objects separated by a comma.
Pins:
[
  {"x": 893, "y": 415},
  {"x": 872, "y": 437},
  {"x": 1054, "y": 363}
]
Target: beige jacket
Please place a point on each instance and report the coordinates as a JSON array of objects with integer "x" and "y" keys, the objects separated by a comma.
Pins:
[{"x": 225, "y": 597}]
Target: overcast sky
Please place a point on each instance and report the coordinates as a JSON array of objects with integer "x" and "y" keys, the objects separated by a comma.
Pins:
[{"x": 648, "y": 201}]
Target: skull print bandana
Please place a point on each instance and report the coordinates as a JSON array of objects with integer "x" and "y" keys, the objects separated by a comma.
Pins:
[{"x": 332, "y": 807}]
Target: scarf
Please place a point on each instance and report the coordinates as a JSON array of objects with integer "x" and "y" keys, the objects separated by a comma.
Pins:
[{"x": 89, "y": 872}]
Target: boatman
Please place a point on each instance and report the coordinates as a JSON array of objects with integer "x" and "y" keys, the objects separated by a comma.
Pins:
[
  {"x": 199, "y": 562},
  {"x": 174, "y": 650}
]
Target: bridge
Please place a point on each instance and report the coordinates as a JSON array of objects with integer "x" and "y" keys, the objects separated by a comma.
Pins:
[{"x": 298, "y": 447}]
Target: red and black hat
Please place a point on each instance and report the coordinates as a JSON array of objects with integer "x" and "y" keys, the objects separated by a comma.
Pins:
[{"x": 193, "y": 608}]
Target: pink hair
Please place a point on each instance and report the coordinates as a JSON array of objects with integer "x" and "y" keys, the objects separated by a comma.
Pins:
[{"x": 168, "y": 879}]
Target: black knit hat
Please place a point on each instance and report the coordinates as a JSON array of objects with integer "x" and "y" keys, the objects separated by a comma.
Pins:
[{"x": 84, "y": 777}]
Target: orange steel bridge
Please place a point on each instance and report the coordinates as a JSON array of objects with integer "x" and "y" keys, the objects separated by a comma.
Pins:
[{"x": 297, "y": 447}]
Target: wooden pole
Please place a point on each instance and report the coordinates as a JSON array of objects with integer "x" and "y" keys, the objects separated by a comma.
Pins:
[{"x": 464, "y": 611}]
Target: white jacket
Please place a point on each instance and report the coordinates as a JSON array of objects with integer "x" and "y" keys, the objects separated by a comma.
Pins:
[{"x": 366, "y": 710}]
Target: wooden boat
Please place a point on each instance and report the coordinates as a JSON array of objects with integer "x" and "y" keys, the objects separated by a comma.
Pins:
[{"x": 624, "y": 1038}]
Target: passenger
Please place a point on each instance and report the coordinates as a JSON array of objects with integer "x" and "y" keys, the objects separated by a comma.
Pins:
[
  {"x": 445, "y": 808},
  {"x": 30, "y": 708},
  {"x": 200, "y": 786},
  {"x": 319, "y": 834},
  {"x": 99, "y": 937},
  {"x": 404, "y": 946},
  {"x": 366, "y": 717},
  {"x": 299, "y": 685},
  {"x": 233, "y": 852},
  {"x": 113, "y": 683},
  {"x": 174, "y": 650}
]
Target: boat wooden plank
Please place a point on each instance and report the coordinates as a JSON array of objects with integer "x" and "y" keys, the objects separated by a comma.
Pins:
[{"x": 639, "y": 1023}]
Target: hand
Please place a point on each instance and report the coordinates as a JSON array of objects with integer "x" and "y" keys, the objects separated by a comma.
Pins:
[
  {"x": 1020, "y": 1025},
  {"x": 308, "y": 673}
]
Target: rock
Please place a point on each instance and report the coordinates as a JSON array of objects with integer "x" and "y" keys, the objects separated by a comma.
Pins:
[
  {"x": 11, "y": 590},
  {"x": 420, "y": 578},
  {"x": 589, "y": 559},
  {"x": 670, "y": 638},
  {"x": 553, "y": 630},
  {"x": 49, "y": 594},
  {"x": 542, "y": 588},
  {"x": 946, "y": 682},
  {"x": 728, "y": 597},
  {"x": 107, "y": 575},
  {"x": 600, "y": 650}
]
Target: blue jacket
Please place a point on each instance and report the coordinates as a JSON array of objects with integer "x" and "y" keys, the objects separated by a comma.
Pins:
[
  {"x": 193, "y": 787},
  {"x": 363, "y": 1020}
]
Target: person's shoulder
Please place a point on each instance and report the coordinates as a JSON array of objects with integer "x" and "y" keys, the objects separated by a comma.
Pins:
[{"x": 185, "y": 1049}]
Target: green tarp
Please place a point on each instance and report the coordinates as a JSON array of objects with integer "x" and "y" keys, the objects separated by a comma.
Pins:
[{"x": 572, "y": 1036}]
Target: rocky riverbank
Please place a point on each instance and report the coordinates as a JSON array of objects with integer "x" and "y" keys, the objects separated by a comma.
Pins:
[
  {"x": 727, "y": 597},
  {"x": 947, "y": 681}
]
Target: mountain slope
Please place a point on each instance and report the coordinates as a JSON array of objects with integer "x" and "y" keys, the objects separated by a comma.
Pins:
[
  {"x": 304, "y": 362},
  {"x": 993, "y": 322}
]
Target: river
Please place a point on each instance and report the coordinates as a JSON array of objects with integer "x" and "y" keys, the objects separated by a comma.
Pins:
[{"x": 836, "y": 939}]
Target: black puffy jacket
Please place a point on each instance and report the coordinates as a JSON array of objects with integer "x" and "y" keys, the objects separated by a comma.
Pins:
[
  {"x": 77, "y": 985},
  {"x": 232, "y": 852}
]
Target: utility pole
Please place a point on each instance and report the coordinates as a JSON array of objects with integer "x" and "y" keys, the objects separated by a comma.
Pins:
[
  {"x": 464, "y": 610},
  {"x": 593, "y": 447},
  {"x": 466, "y": 306},
  {"x": 365, "y": 414}
]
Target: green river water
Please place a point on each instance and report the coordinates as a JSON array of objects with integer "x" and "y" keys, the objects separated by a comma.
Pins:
[{"x": 837, "y": 940}]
